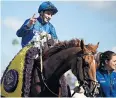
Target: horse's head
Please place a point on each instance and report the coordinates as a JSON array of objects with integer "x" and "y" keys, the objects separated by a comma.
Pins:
[{"x": 87, "y": 68}]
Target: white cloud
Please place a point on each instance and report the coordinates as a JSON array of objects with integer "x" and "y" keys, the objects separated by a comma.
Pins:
[
  {"x": 114, "y": 49},
  {"x": 12, "y": 23},
  {"x": 100, "y": 4}
]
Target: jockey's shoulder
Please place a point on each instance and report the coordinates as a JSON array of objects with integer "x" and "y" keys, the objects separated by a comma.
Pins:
[{"x": 51, "y": 25}]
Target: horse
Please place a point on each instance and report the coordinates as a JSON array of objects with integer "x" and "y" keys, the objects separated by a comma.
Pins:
[
  {"x": 64, "y": 56},
  {"x": 74, "y": 55}
]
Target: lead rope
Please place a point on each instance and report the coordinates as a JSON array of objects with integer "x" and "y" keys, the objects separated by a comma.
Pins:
[
  {"x": 41, "y": 60},
  {"x": 59, "y": 95},
  {"x": 41, "y": 64}
]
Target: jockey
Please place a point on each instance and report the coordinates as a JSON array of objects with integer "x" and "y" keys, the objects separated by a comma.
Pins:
[{"x": 39, "y": 25}]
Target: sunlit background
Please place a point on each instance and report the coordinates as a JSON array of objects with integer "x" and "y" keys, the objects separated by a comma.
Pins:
[{"x": 93, "y": 21}]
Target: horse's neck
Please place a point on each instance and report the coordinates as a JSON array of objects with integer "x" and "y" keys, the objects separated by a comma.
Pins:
[{"x": 56, "y": 64}]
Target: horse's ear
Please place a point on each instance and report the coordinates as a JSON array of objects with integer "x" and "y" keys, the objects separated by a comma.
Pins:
[
  {"x": 82, "y": 44},
  {"x": 97, "y": 45}
]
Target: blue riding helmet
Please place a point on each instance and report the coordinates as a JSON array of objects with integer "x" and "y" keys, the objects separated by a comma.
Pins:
[{"x": 47, "y": 6}]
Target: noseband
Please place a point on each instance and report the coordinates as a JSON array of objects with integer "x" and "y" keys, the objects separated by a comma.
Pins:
[{"x": 95, "y": 88}]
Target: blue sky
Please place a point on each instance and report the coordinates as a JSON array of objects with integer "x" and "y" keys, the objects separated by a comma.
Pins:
[{"x": 93, "y": 21}]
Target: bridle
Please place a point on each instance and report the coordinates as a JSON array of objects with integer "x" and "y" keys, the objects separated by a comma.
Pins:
[
  {"x": 95, "y": 88},
  {"x": 88, "y": 94},
  {"x": 87, "y": 80},
  {"x": 95, "y": 83}
]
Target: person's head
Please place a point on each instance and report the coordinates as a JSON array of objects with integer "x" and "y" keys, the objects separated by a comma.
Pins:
[
  {"x": 46, "y": 10},
  {"x": 108, "y": 60}
]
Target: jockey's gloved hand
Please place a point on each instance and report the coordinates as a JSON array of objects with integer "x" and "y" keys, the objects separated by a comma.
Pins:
[{"x": 78, "y": 89}]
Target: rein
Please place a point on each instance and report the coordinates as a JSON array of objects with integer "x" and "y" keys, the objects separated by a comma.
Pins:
[
  {"x": 77, "y": 89},
  {"x": 96, "y": 85},
  {"x": 85, "y": 81},
  {"x": 41, "y": 69},
  {"x": 43, "y": 80}
]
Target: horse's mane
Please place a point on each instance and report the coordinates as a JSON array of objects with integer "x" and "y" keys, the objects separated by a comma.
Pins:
[
  {"x": 61, "y": 46},
  {"x": 70, "y": 43}
]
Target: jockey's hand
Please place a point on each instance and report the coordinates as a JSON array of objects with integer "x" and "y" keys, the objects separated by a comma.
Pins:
[
  {"x": 32, "y": 21},
  {"x": 78, "y": 89}
]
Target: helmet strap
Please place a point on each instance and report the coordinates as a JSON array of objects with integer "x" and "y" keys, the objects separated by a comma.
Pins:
[{"x": 41, "y": 15}]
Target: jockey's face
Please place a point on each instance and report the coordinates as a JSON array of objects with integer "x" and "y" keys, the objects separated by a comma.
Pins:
[{"x": 47, "y": 15}]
